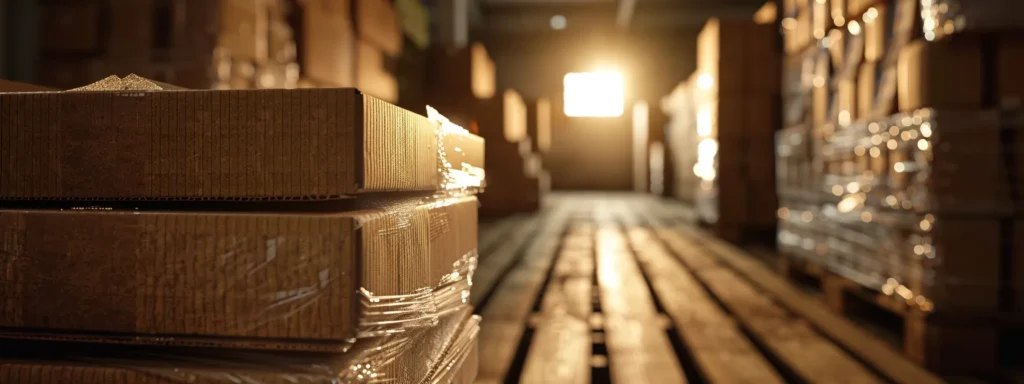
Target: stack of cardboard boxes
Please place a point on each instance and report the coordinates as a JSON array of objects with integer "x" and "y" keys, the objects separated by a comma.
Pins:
[
  {"x": 225, "y": 44},
  {"x": 462, "y": 82},
  {"x": 736, "y": 119},
  {"x": 275, "y": 236},
  {"x": 912, "y": 161},
  {"x": 682, "y": 140},
  {"x": 168, "y": 40}
]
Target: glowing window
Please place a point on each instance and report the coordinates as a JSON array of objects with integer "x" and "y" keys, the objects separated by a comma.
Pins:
[{"x": 593, "y": 94}]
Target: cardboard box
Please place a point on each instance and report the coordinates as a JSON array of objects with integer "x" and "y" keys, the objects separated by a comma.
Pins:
[
  {"x": 457, "y": 79},
  {"x": 968, "y": 169},
  {"x": 256, "y": 281},
  {"x": 377, "y": 23},
  {"x": 245, "y": 29},
  {"x": 968, "y": 252},
  {"x": 943, "y": 74},
  {"x": 270, "y": 144},
  {"x": 328, "y": 46},
  {"x": 371, "y": 75}
]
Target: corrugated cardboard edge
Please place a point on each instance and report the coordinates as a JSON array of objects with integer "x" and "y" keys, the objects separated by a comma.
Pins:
[
  {"x": 400, "y": 148},
  {"x": 401, "y": 249}
]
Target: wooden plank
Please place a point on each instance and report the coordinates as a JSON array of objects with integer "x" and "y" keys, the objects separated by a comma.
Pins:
[
  {"x": 504, "y": 318},
  {"x": 569, "y": 287},
  {"x": 791, "y": 339},
  {"x": 859, "y": 341},
  {"x": 720, "y": 349},
  {"x": 639, "y": 350},
  {"x": 559, "y": 353},
  {"x": 560, "y": 349}
]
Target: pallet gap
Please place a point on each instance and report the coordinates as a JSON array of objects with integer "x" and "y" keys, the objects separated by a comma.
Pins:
[
  {"x": 517, "y": 259},
  {"x": 515, "y": 370}
]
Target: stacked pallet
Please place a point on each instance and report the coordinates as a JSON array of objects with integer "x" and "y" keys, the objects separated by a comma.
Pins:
[
  {"x": 275, "y": 236},
  {"x": 736, "y": 120},
  {"x": 912, "y": 192}
]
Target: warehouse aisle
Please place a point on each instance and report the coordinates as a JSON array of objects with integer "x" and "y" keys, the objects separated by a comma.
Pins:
[{"x": 619, "y": 288}]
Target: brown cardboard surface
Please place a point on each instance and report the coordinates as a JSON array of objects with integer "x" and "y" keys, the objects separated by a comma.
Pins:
[
  {"x": 371, "y": 76},
  {"x": 263, "y": 281},
  {"x": 245, "y": 28},
  {"x": 328, "y": 45},
  {"x": 377, "y": 22},
  {"x": 944, "y": 74},
  {"x": 460, "y": 76},
  {"x": 265, "y": 144}
]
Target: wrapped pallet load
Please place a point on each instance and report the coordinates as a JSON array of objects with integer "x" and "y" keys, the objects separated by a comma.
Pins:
[{"x": 315, "y": 236}]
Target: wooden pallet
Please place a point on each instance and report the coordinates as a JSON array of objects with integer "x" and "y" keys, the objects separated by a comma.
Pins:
[
  {"x": 609, "y": 294},
  {"x": 945, "y": 343}
]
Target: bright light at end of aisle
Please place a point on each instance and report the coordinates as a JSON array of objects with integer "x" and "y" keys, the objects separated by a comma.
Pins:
[
  {"x": 594, "y": 94},
  {"x": 705, "y": 81}
]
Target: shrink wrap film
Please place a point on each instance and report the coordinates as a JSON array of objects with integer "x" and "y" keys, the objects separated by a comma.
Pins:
[
  {"x": 257, "y": 281},
  {"x": 445, "y": 353}
]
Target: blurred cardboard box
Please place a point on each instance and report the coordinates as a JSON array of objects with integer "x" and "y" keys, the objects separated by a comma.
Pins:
[
  {"x": 371, "y": 74},
  {"x": 378, "y": 23},
  {"x": 245, "y": 28},
  {"x": 329, "y": 44},
  {"x": 944, "y": 74}
]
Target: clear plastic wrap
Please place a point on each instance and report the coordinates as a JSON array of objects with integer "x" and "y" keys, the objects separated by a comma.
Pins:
[
  {"x": 422, "y": 337},
  {"x": 923, "y": 207}
]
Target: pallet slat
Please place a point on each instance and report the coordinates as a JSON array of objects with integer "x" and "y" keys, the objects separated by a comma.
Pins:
[
  {"x": 505, "y": 317},
  {"x": 860, "y": 342},
  {"x": 722, "y": 352},
  {"x": 639, "y": 350}
]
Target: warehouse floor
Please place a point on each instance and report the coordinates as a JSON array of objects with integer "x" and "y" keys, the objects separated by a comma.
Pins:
[{"x": 619, "y": 288}]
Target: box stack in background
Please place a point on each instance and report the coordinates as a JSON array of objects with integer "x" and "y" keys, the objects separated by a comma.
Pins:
[
  {"x": 462, "y": 82},
  {"x": 316, "y": 236},
  {"x": 905, "y": 181},
  {"x": 682, "y": 139},
  {"x": 231, "y": 44},
  {"x": 516, "y": 171},
  {"x": 82, "y": 41},
  {"x": 736, "y": 119}
]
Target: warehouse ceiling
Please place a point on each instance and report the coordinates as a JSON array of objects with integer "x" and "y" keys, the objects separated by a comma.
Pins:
[{"x": 527, "y": 16}]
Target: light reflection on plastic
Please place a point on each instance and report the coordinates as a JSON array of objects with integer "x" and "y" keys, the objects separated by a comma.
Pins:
[{"x": 594, "y": 94}]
